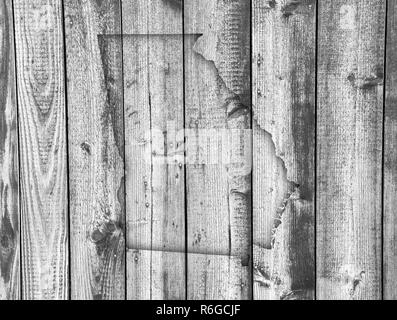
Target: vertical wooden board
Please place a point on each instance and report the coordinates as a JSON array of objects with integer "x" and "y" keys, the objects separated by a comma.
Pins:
[
  {"x": 153, "y": 64},
  {"x": 350, "y": 103},
  {"x": 42, "y": 131},
  {"x": 96, "y": 149},
  {"x": 137, "y": 152},
  {"x": 9, "y": 168},
  {"x": 168, "y": 174},
  {"x": 284, "y": 67},
  {"x": 218, "y": 149},
  {"x": 390, "y": 159}
]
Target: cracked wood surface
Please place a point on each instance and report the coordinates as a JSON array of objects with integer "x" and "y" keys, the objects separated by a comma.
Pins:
[
  {"x": 217, "y": 117},
  {"x": 283, "y": 148},
  {"x": 155, "y": 175},
  {"x": 42, "y": 145},
  {"x": 349, "y": 184},
  {"x": 9, "y": 168},
  {"x": 390, "y": 159},
  {"x": 96, "y": 149}
]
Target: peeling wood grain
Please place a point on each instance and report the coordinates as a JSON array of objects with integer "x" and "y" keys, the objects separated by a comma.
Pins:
[
  {"x": 42, "y": 131},
  {"x": 283, "y": 147},
  {"x": 153, "y": 60},
  {"x": 349, "y": 151},
  {"x": 217, "y": 90},
  {"x": 9, "y": 168},
  {"x": 390, "y": 159},
  {"x": 96, "y": 149}
]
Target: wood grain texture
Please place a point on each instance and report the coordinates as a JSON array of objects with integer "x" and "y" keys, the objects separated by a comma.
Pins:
[
  {"x": 390, "y": 159},
  {"x": 153, "y": 64},
  {"x": 350, "y": 104},
  {"x": 9, "y": 167},
  {"x": 218, "y": 150},
  {"x": 96, "y": 149},
  {"x": 42, "y": 132},
  {"x": 186, "y": 180},
  {"x": 284, "y": 148}
]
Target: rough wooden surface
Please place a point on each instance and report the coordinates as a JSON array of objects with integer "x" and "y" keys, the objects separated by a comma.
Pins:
[
  {"x": 172, "y": 195},
  {"x": 153, "y": 59},
  {"x": 42, "y": 136},
  {"x": 96, "y": 148},
  {"x": 350, "y": 104},
  {"x": 217, "y": 119},
  {"x": 283, "y": 148},
  {"x": 9, "y": 168},
  {"x": 390, "y": 159}
]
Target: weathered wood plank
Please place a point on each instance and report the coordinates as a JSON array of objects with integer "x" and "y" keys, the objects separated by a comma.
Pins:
[
  {"x": 284, "y": 69},
  {"x": 153, "y": 64},
  {"x": 350, "y": 104},
  {"x": 218, "y": 150},
  {"x": 390, "y": 159},
  {"x": 42, "y": 131},
  {"x": 9, "y": 167},
  {"x": 96, "y": 148}
]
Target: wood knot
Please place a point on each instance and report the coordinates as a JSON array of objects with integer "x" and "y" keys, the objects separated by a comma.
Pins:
[
  {"x": 368, "y": 82},
  {"x": 105, "y": 231},
  {"x": 272, "y": 4},
  {"x": 289, "y": 8},
  {"x": 86, "y": 148},
  {"x": 7, "y": 237}
]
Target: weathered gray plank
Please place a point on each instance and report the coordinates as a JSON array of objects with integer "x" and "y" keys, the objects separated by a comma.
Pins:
[
  {"x": 96, "y": 148},
  {"x": 284, "y": 69},
  {"x": 350, "y": 104},
  {"x": 390, "y": 159},
  {"x": 153, "y": 64},
  {"x": 9, "y": 168},
  {"x": 42, "y": 132},
  {"x": 218, "y": 150}
]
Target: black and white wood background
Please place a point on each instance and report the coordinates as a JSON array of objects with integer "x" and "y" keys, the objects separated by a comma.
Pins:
[{"x": 109, "y": 110}]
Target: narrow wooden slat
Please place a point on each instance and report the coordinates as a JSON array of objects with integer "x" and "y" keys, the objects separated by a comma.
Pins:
[
  {"x": 218, "y": 150},
  {"x": 350, "y": 103},
  {"x": 96, "y": 148},
  {"x": 42, "y": 131},
  {"x": 283, "y": 148},
  {"x": 390, "y": 159},
  {"x": 9, "y": 168},
  {"x": 153, "y": 64}
]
